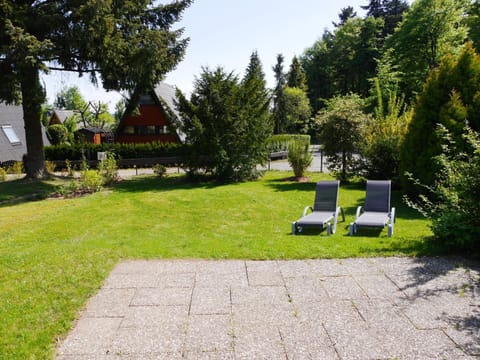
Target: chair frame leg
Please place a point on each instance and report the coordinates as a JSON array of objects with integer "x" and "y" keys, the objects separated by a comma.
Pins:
[{"x": 294, "y": 228}]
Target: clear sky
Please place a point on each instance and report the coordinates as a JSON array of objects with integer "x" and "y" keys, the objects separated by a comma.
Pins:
[{"x": 225, "y": 32}]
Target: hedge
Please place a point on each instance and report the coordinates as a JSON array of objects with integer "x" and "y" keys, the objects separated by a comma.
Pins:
[
  {"x": 280, "y": 142},
  {"x": 121, "y": 151}
]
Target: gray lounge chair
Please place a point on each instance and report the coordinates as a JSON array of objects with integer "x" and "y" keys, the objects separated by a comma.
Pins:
[
  {"x": 324, "y": 211},
  {"x": 376, "y": 213}
]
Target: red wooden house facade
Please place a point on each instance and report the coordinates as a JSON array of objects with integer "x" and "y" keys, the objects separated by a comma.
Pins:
[{"x": 154, "y": 121}]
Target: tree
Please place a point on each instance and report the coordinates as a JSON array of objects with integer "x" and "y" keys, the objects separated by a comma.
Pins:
[
  {"x": 393, "y": 11},
  {"x": 296, "y": 76},
  {"x": 129, "y": 44},
  {"x": 297, "y": 110},
  {"x": 429, "y": 31},
  {"x": 278, "y": 111},
  {"x": 374, "y": 8},
  {"x": 225, "y": 124},
  {"x": 345, "y": 14},
  {"x": 341, "y": 127},
  {"x": 450, "y": 97}
]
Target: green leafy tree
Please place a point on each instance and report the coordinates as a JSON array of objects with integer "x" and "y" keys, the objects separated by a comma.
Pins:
[
  {"x": 430, "y": 30},
  {"x": 298, "y": 111},
  {"x": 341, "y": 125},
  {"x": 129, "y": 44},
  {"x": 296, "y": 76},
  {"x": 451, "y": 96},
  {"x": 57, "y": 134},
  {"x": 278, "y": 111},
  {"x": 473, "y": 23},
  {"x": 227, "y": 132},
  {"x": 453, "y": 201}
]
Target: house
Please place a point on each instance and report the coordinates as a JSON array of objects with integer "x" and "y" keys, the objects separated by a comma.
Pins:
[
  {"x": 93, "y": 135},
  {"x": 59, "y": 116},
  {"x": 155, "y": 120},
  {"x": 13, "y": 144}
]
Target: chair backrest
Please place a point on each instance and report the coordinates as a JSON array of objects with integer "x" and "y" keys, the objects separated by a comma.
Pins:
[
  {"x": 326, "y": 196},
  {"x": 378, "y": 196}
]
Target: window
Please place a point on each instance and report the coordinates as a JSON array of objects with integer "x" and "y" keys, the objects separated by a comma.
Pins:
[
  {"x": 10, "y": 134},
  {"x": 146, "y": 100},
  {"x": 162, "y": 130},
  {"x": 128, "y": 130}
]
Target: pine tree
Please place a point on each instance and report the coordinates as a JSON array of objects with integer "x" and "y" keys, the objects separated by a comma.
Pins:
[
  {"x": 278, "y": 111},
  {"x": 374, "y": 8},
  {"x": 345, "y": 14},
  {"x": 296, "y": 77}
]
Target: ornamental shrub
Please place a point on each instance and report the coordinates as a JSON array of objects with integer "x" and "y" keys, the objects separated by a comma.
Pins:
[
  {"x": 453, "y": 201},
  {"x": 299, "y": 157}
]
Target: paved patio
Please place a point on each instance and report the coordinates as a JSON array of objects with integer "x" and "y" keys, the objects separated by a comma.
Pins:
[{"x": 379, "y": 308}]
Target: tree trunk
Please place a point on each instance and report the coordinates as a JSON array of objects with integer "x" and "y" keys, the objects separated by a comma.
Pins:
[{"x": 32, "y": 99}]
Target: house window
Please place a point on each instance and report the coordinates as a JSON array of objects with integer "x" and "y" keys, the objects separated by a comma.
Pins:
[
  {"x": 162, "y": 130},
  {"x": 10, "y": 134},
  {"x": 146, "y": 100},
  {"x": 129, "y": 130}
]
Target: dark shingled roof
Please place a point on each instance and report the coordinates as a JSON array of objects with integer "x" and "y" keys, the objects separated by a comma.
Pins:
[{"x": 11, "y": 115}]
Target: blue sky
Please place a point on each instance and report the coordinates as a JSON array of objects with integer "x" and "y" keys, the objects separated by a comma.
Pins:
[{"x": 225, "y": 32}]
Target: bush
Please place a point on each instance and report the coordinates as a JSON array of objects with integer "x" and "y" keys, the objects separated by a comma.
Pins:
[
  {"x": 57, "y": 134},
  {"x": 299, "y": 157},
  {"x": 280, "y": 142},
  {"x": 91, "y": 180},
  {"x": 50, "y": 167},
  {"x": 3, "y": 174},
  {"x": 16, "y": 168},
  {"x": 453, "y": 201},
  {"x": 160, "y": 170},
  {"x": 109, "y": 169}
]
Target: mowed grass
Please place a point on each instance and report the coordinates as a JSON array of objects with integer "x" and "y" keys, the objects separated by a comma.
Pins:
[{"x": 55, "y": 254}]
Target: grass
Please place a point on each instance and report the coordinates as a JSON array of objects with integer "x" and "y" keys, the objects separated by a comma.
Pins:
[{"x": 55, "y": 254}]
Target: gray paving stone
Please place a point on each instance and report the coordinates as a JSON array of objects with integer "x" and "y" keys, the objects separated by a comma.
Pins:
[
  {"x": 306, "y": 289},
  {"x": 264, "y": 295},
  {"x": 265, "y": 278},
  {"x": 378, "y": 308},
  {"x": 209, "y": 333},
  {"x": 91, "y": 336},
  {"x": 342, "y": 288},
  {"x": 211, "y": 301},
  {"x": 155, "y": 316},
  {"x": 109, "y": 303},
  {"x": 162, "y": 296}
]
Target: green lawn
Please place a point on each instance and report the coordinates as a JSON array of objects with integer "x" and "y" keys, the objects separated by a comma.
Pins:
[{"x": 55, "y": 254}]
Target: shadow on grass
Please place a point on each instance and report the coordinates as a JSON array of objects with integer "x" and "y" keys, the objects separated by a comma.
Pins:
[
  {"x": 156, "y": 184},
  {"x": 24, "y": 190}
]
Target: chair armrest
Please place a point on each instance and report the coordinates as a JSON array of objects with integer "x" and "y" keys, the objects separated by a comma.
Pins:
[
  {"x": 392, "y": 215},
  {"x": 359, "y": 212},
  {"x": 335, "y": 219},
  {"x": 306, "y": 210}
]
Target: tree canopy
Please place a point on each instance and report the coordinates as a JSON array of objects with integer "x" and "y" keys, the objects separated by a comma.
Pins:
[{"x": 129, "y": 44}]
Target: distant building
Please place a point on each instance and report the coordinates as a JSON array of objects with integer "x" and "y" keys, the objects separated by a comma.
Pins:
[
  {"x": 13, "y": 144},
  {"x": 155, "y": 121},
  {"x": 59, "y": 116}
]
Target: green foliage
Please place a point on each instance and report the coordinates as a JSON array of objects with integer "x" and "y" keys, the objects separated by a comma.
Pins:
[
  {"x": 129, "y": 44},
  {"x": 280, "y": 142},
  {"x": 108, "y": 168},
  {"x": 3, "y": 174},
  {"x": 299, "y": 157},
  {"x": 451, "y": 96},
  {"x": 91, "y": 180},
  {"x": 296, "y": 75},
  {"x": 429, "y": 31},
  {"x": 121, "y": 151},
  {"x": 453, "y": 201},
  {"x": 341, "y": 126},
  {"x": 16, "y": 168},
  {"x": 50, "y": 167},
  {"x": 160, "y": 170},
  {"x": 297, "y": 111},
  {"x": 226, "y": 123},
  {"x": 57, "y": 134},
  {"x": 383, "y": 138},
  {"x": 279, "y": 117}
]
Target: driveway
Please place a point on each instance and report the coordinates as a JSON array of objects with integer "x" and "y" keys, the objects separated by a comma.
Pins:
[{"x": 376, "y": 308}]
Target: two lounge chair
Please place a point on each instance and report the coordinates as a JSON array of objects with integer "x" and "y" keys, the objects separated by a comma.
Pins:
[{"x": 375, "y": 213}]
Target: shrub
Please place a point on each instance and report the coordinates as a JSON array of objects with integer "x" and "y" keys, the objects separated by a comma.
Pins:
[
  {"x": 16, "y": 168},
  {"x": 109, "y": 169},
  {"x": 299, "y": 157},
  {"x": 91, "y": 180},
  {"x": 57, "y": 134},
  {"x": 3, "y": 174},
  {"x": 280, "y": 142},
  {"x": 160, "y": 170},
  {"x": 50, "y": 167},
  {"x": 453, "y": 201}
]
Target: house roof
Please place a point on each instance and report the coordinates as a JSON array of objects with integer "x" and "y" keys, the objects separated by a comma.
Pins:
[
  {"x": 165, "y": 93},
  {"x": 11, "y": 124},
  {"x": 62, "y": 115}
]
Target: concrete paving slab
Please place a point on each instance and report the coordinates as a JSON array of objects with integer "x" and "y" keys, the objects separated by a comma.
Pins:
[{"x": 376, "y": 308}]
